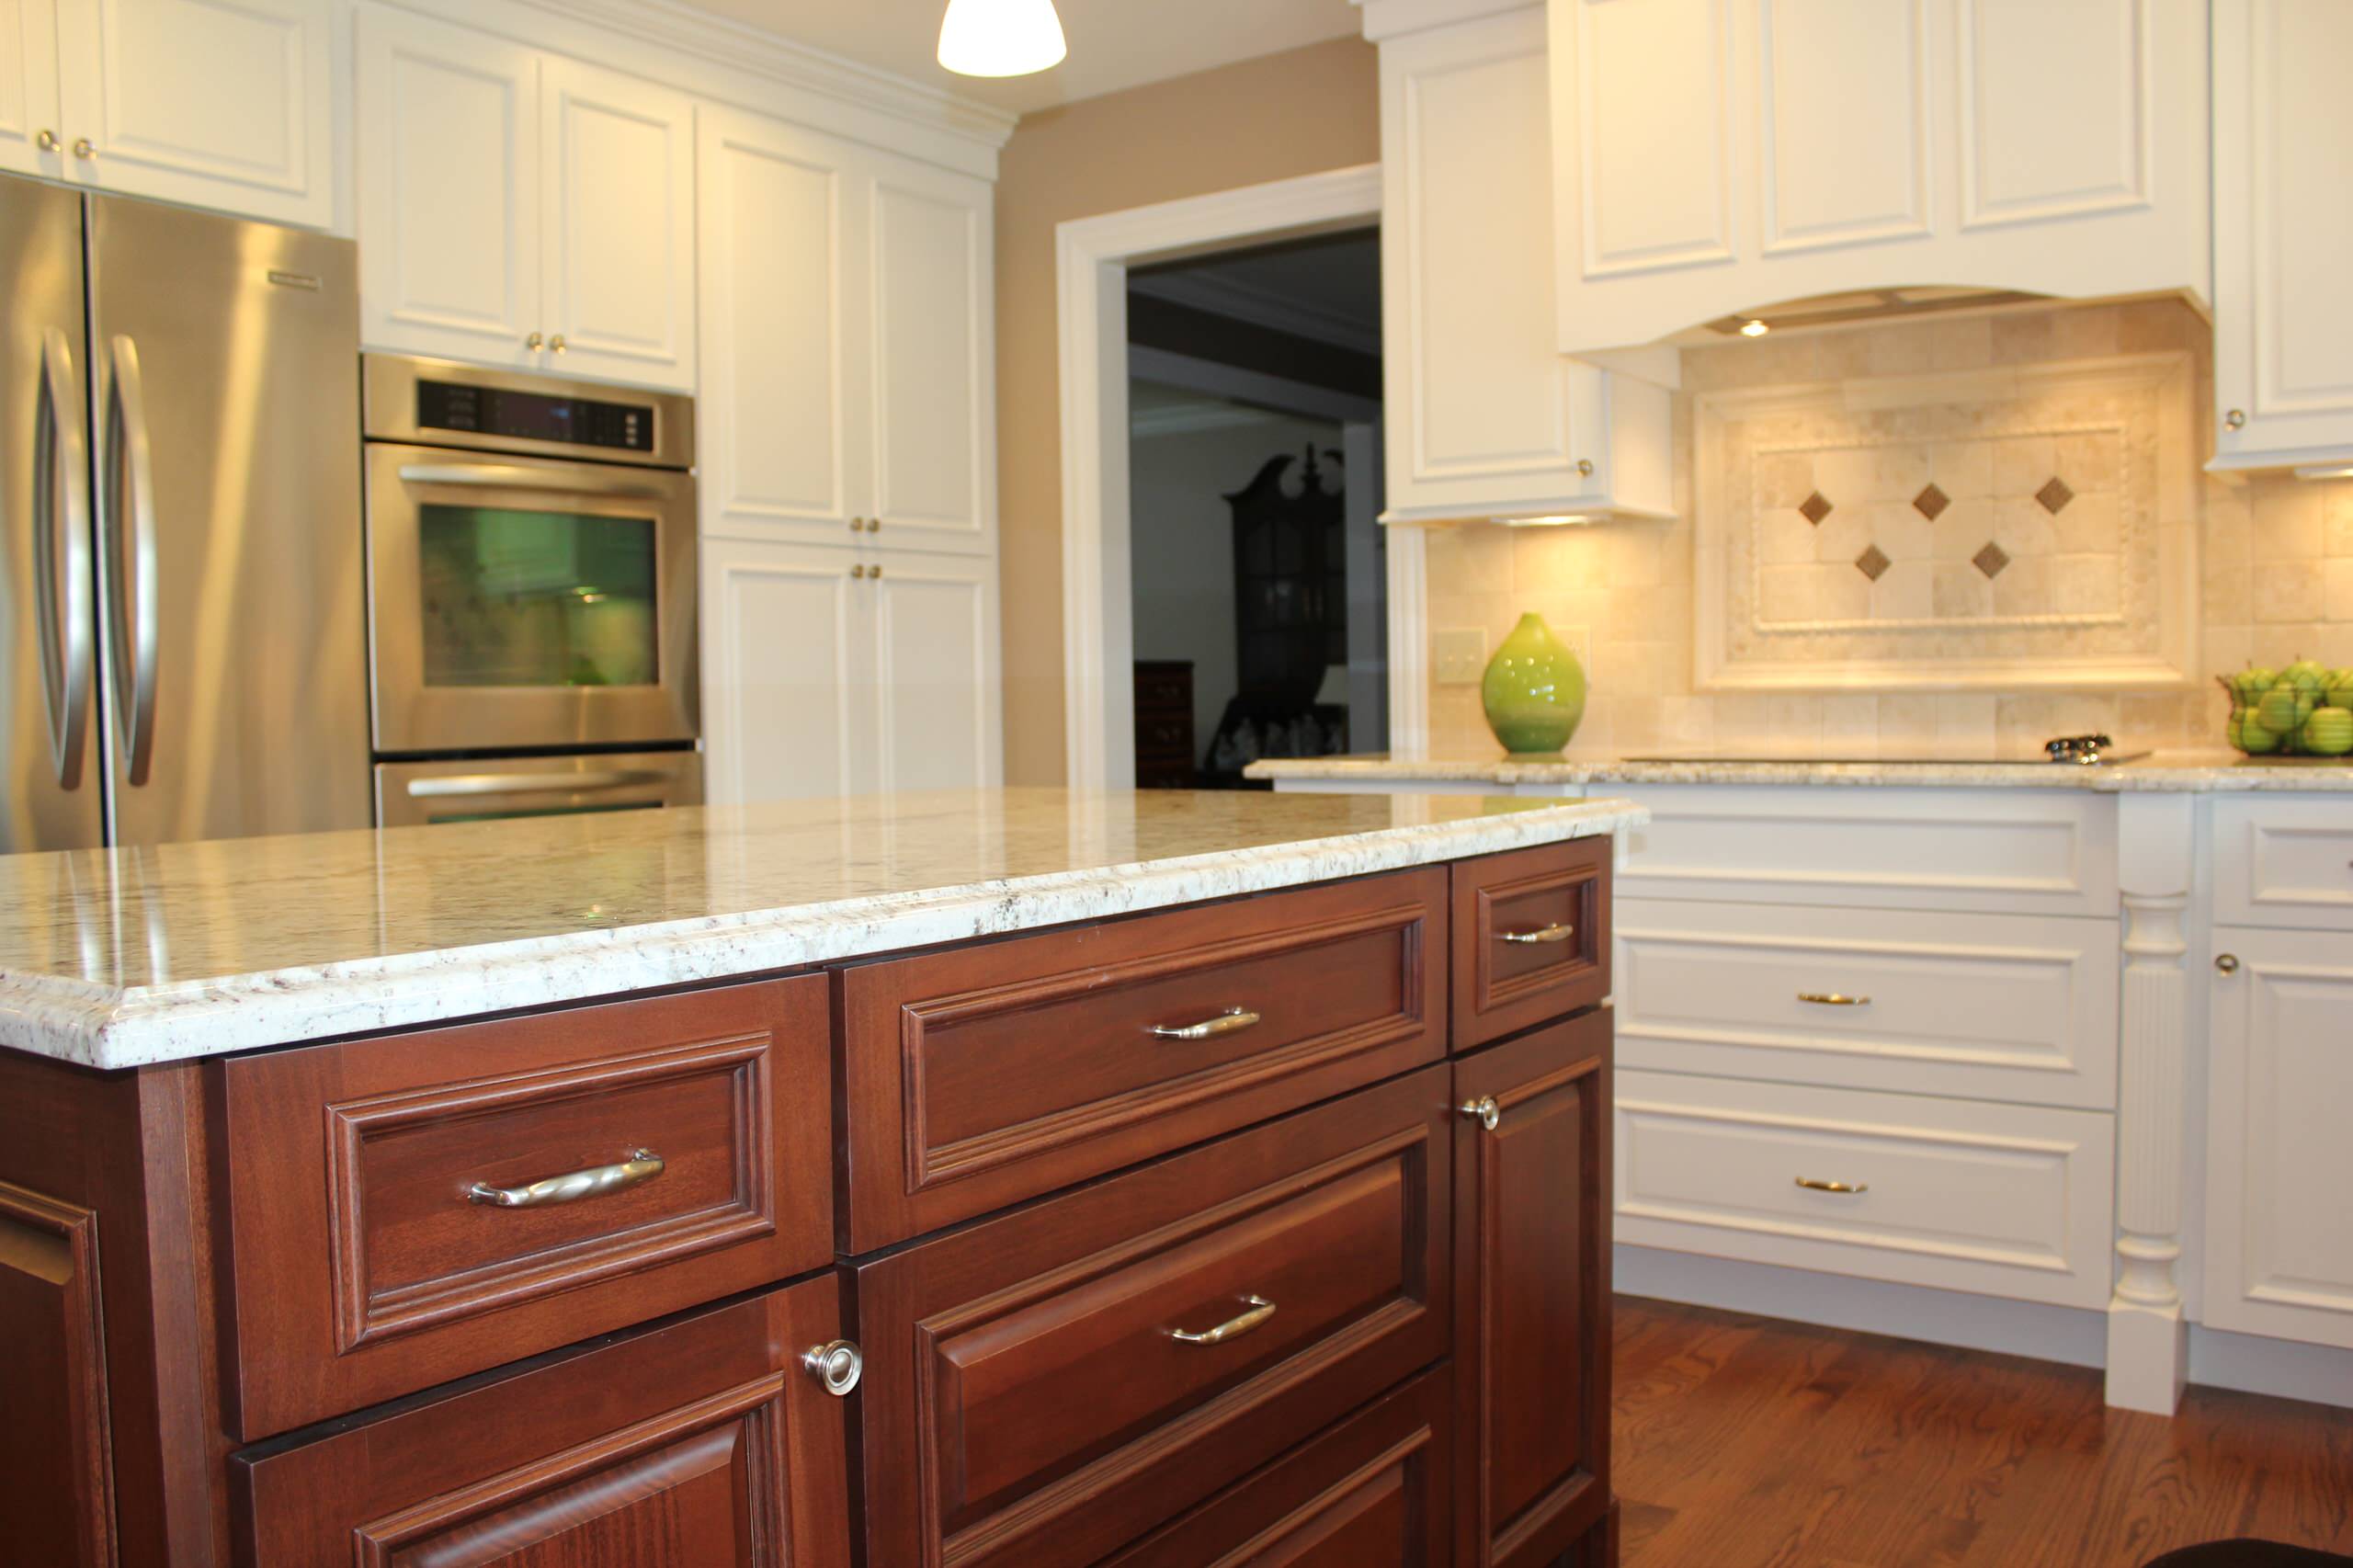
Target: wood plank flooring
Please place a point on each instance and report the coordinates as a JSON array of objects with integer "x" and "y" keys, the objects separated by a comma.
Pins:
[{"x": 1747, "y": 1442}]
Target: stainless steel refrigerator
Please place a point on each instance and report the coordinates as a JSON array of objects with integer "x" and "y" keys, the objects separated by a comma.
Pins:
[{"x": 182, "y": 608}]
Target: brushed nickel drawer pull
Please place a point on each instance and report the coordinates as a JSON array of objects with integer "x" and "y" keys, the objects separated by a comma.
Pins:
[
  {"x": 643, "y": 1164},
  {"x": 1815, "y": 1183},
  {"x": 1234, "y": 1021},
  {"x": 1832, "y": 999},
  {"x": 1260, "y": 1311},
  {"x": 1485, "y": 1110},
  {"x": 838, "y": 1364},
  {"x": 1559, "y": 931}
]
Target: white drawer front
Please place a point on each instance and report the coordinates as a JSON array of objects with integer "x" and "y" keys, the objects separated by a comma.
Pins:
[
  {"x": 2284, "y": 862},
  {"x": 1997, "y": 1006},
  {"x": 1957, "y": 1195},
  {"x": 2026, "y": 851}
]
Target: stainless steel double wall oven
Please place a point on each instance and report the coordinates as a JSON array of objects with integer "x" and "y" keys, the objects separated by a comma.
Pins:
[{"x": 531, "y": 594}]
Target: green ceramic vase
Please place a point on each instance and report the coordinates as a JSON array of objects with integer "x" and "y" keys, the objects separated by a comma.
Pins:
[{"x": 1533, "y": 692}]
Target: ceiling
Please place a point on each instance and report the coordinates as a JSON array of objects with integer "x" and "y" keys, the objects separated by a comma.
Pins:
[
  {"x": 1327, "y": 289},
  {"x": 1113, "y": 43}
]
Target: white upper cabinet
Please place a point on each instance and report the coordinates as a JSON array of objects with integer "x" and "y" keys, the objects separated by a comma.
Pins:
[
  {"x": 518, "y": 208},
  {"x": 846, "y": 296},
  {"x": 2283, "y": 231},
  {"x": 1714, "y": 157},
  {"x": 1483, "y": 417},
  {"x": 28, "y": 88},
  {"x": 225, "y": 104}
]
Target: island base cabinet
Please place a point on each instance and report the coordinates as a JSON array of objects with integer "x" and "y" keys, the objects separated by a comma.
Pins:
[
  {"x": 1531, "y": 1291},
  {"x": 706, "y": 1443}
]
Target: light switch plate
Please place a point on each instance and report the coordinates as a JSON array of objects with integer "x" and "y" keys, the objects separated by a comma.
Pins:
[{"x": 1458, "y": 654}]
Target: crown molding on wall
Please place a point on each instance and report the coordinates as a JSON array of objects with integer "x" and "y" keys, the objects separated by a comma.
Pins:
[{"x": 751, "y": 68}]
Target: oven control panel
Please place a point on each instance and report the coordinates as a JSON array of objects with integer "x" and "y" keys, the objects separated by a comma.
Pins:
[{"x": 535, "y": 416}]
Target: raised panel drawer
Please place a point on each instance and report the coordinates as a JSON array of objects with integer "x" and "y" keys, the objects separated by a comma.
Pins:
[
  {"x": 2001, "y": 851},
  {"x": 1998, "y": 1007},
  {"x": 2003, "y": 1200},
  {"x": 1029, "y": 1398},
  {"x": 2284, "y": 862},
  {"x": 705, "y": 1444},
  {"x": 983, "y": 1075},
  {"x": 1370, "y": 1493},
  {"x": 373, "y": 1255},
  {"x": 1531, "y": 938}
]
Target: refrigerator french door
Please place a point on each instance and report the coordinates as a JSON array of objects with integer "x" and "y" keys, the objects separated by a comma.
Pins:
[{"x": 183, "y": 590}]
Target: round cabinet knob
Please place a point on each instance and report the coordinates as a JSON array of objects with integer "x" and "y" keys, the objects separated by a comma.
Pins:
[
  {"x": 838, "y": 1365},
  {"x": 858, "y": 573},
  {"x": 535, "y": 343},
  {"x": 1484, "y": 1110},
  {"x": 1585, "y": 468},
  {"x": 874, "y": 571},
  {"x": 47, "y": 140},
  {"x": 2235, "y": 419},
  {"x": 2228, "y": 963},
  {"x": 82, "y": 149},
  {"x": 856, "y": 524},
  {"x": 557, "y": 343},
  {"x": 874, "y": 525}
]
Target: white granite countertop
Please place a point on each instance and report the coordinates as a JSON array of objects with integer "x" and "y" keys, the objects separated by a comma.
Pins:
[
  {"x": 123, "y": 957},
  {"x": 2215, "y": 771}
]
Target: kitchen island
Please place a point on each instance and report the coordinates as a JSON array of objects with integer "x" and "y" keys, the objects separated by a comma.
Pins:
[
  {"x": 2028, "y": 1056},
  {"x": 988, "y": 1178}
]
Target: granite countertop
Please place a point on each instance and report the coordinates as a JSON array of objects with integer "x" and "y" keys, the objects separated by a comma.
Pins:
[
  {"x": 129, "y": 957},
  {"x": 2215, "y": 771}
]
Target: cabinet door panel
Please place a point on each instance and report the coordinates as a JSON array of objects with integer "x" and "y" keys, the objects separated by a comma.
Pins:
[
  {"x": 1531, "y": 1266},
  {"x": 705, "y": 1443},
  {"x": 2055, "y": 106},
  {"x": 215, "y": 103},
  {"x": 781, "y": 368},
  {"x": 782, "y": 625},
  {"x": 28, "y": 86},
  {"x": 53, "y": 1444},
  {"x": 934, "y": 447},
  {"x": 2280, "y": 1231},
  {"x": 1844, "y": 150},
  {"x": 448, "y": 190},
  {"x": 935, "y": 691},
  {"x": 1651, "y": 87},
  {"x": 618, "y": 230}
]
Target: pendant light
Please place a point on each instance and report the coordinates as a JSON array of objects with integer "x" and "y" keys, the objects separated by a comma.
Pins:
[{"x": 1001, "y": 38}]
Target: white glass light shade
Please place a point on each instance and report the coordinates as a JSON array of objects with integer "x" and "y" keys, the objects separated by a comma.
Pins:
[{"x": 1001, "y": 38}]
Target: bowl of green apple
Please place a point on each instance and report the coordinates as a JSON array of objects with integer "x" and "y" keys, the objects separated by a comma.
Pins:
[{"x": 2301, "y": 711}]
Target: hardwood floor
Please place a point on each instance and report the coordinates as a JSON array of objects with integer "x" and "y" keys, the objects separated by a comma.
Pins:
[{"x": 1744, "y": 1442}]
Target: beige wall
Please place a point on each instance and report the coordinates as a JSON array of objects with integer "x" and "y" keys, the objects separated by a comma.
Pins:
[{"x": 1262, "y": 119}]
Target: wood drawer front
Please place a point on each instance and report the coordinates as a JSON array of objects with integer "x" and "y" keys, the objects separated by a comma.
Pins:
[
  {"x": 2001, "y": 1006},
  {"x": 2005, "y": 1201},
  {"x": 1370, "y": 1493},
  {"x": 705, "y": 1443},
  {"x": 2000, "y": 850},
  {"x": 1531, "y": 1290},
  {"x": 983, "y": 1075},
  {"x": 1025, "y": 1399},
  {"x": 2284, "y": 862},
  {"x": 1509, "y": 972},
  {"x": 365, "y": 1269}
]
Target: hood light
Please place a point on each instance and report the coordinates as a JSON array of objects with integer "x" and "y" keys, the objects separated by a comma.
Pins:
[
  {"x": 1560, "y": 520},
  {"x": 1001, "y": 38},
  {"x": 1754, "y": 328},
  {"x": 2325, "y": 470}
]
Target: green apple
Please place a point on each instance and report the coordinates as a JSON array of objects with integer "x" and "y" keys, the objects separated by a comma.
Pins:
[
  {"x": 2305, "y": 676},
  {"x": 2340, "y": 689},
  {"x": 2329, "y": 731},
  {"x": 2249, "y": 735},
  {"x": 2284, "y": 708}
]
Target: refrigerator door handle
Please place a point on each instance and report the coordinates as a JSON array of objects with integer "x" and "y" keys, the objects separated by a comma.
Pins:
[
  {"x": 130, "y": 487},
  {"x": 62, "y": 550}
]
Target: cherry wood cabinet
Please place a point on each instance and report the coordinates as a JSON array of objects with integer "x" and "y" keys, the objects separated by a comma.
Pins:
[
  {"x": 1531, "y": 938},
  {"x": 53, "y": 1441},
  {"x": 1531, "y": 1298},
  {"x": 707, "y": 1443}
]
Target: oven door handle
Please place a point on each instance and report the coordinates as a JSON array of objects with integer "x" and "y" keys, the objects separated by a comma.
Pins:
[
  {"x": 461, "y": 784},
  {"x": 514, "y": 476}
]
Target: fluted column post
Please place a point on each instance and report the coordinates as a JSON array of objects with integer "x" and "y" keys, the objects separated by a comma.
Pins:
[{"x": 2148, "y": 1343}]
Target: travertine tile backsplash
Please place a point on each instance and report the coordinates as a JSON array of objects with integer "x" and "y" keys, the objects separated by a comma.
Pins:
[{"x": 2275, "y": 565}]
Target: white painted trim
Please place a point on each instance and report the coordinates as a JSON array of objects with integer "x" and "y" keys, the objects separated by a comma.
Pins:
[
  {"x": 1091, "y": 260},
  {"x": 1216, "y": 379},
  {"x": 1263, "y": 307}
]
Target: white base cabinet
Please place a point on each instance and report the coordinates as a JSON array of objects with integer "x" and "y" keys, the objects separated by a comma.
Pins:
[
  {"x": 224, "y": 106},
  {"x": 518, "y": 208},
  {"x": 832, "y": 672}
]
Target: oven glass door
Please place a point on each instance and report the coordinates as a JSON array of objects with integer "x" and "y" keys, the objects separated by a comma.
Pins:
[{"x": 522, "y": 602}]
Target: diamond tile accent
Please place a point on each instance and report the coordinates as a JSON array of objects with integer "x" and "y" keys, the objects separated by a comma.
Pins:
[
  {"x": 1872, "y": 561},
  {"x": 1930, "y": 502},
  {"x": 1814, "y": 507},
  {"x": 2054, "y": 494},
  {"x": 1991, "y": 559}
]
